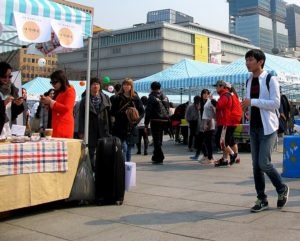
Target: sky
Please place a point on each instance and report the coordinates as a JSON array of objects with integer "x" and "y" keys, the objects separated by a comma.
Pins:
[{"x": 118, "y": 14}]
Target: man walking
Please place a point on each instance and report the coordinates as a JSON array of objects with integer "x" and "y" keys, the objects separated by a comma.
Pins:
[
  {"x": 157, "y": 112},
  {"x": 262, "y": 103}
]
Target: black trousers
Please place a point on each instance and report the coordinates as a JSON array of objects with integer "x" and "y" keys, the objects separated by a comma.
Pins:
[
  {"x": 157, "y": 130},
  {"x": 143, "y": 135},
  {"x": 192, "y": 134},
  {"x": 200, "y": 144}
]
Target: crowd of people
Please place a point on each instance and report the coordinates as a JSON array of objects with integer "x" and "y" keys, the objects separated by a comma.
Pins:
[{"x": 133, "y": 119}]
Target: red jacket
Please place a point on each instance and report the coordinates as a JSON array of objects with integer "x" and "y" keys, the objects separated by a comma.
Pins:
[
  {"x": 62, "y": 114},
  {"x": 223, "y": 109}
]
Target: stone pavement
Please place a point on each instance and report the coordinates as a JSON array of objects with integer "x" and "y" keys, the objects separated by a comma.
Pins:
[{"x": 180, "y": 200}]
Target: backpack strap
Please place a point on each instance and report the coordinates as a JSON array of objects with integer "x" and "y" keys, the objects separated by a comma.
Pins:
[{"x": 267, "y": 81}]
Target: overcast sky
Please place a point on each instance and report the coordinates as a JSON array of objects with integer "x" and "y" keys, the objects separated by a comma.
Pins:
[{"x": 116, "y": 14}]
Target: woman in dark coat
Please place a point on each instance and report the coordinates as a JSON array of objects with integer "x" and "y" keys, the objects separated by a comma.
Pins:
[
  {"x": 122, "y": 128},
  {"x": 9, "y": 98},
  {"x": 99, "y": 117}
]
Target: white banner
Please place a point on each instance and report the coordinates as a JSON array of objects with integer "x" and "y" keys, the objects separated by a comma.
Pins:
[
  {"x": 69, "y": 34},
  {"x": 214, "y": 46},
  {"x": 215, "y": 51},
  {"x": 33, "y": 29}
]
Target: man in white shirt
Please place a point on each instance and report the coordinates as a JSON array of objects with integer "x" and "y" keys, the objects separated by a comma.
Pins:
[{"x": 261, "y": 102}]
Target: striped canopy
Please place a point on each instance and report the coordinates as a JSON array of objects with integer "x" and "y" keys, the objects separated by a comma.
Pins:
[
  {"x": 39, "y": 86},
  {"x": 236, "y": 73},
  {"x": 170, "y": 78},
  {"x": 44, "y": 8}
]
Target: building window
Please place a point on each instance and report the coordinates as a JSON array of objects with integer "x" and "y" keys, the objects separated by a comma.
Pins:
[{"x": 116, "y": 50}]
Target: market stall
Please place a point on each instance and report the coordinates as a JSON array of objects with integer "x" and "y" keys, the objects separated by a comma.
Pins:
[{"x": 50, "y": 27}]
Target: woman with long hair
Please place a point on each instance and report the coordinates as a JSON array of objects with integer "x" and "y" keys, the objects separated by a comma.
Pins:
[
  {"x": 61, "y": 105},
  {"x": 122, "y": 127},
  {"x": 199, "y": 138}
]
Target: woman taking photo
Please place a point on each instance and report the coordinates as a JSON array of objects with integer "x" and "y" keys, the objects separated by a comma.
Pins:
[
  {"x": 122, "y": 128},
  {"x": 61, "y": 105}
]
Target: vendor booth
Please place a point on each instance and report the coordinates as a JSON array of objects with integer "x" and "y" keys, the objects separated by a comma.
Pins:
[{"x": 50, "y": 27}]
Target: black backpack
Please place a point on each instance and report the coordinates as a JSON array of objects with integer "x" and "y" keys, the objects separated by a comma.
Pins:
[{"x": 163, "y": 112}]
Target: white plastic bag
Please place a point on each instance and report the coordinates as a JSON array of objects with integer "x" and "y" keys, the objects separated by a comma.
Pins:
[{"x": 130, "y": 175}]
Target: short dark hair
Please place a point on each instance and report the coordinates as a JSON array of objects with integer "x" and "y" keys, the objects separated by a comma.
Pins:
[
  {"x": 257, "y": 54},
  {"x": 155, "y": 85},
  {"x": 117, "y": 87},
  {"x": 95, "y": 80},
  {"x": 4, "y": 66},
  {"x": 144, "y": 100},
  {"x": 197, "y": 99}
]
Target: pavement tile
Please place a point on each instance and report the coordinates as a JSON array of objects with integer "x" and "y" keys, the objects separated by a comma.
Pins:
[{"x": 180, "y": 200}]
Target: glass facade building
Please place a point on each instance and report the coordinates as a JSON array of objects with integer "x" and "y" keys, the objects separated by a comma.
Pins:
[
  {"x": 261, "y": 21},
  {"x": 169, "y": 16},
  {"x": 293, "y": 25}
]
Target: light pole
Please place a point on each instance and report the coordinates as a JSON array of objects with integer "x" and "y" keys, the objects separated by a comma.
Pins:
[{"x": 98, "y": 53}]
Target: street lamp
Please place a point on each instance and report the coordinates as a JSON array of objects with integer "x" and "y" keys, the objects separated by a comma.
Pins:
[{"x": 98, "y": 53}]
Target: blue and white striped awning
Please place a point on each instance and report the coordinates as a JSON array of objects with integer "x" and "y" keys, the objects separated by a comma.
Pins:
[
  {"x": 171, "y": 77},
  {"x": 48, "y": 9},
  {"x": 236, "y": 73},
  {"x": 38, "y": 86}
]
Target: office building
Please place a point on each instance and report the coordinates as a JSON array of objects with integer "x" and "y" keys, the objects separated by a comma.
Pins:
[
  {"x": 262, "y": 22},
  {"x": 169, "y": 16},
  {"x": 293, "y": 25},
  {"x": 146, "y": 49}
]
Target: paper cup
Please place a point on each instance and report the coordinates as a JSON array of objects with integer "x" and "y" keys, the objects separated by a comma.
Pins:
[{"x": 48, "y": 133}]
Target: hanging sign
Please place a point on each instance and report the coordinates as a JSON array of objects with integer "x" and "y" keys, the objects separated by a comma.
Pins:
[
  {"x": 68, "y": 34},
  {"x": 33, "y": 29}
]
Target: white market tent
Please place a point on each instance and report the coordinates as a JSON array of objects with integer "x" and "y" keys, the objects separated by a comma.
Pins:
[
  {"x": 50, "y": 10},
  {"x": 175, "y": 77}
]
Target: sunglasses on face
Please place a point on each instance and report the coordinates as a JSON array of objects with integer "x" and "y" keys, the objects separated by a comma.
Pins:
[
  {"x": 53, "y": 82},
  {"x": 6, "y": 76}
]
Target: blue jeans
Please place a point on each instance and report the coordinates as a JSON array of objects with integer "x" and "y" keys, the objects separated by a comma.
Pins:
[
  {"x": 261, "y": 149},
  {"x": 126, "y": 151}
]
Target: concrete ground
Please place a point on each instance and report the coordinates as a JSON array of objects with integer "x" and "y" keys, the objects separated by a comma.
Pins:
[{"x": 180, "y": 200}]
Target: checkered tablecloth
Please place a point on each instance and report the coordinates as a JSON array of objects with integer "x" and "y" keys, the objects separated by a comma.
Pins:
[{"x": 31, "y": 157}]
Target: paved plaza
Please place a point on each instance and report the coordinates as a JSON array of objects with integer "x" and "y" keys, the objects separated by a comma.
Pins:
[{"x": 178, "y": 201}]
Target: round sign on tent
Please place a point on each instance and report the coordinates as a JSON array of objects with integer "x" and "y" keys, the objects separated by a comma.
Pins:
[{"x": 41, "y": 62}]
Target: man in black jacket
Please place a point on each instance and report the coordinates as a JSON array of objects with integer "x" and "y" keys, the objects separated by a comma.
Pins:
[{"x": 157, "y": 112}]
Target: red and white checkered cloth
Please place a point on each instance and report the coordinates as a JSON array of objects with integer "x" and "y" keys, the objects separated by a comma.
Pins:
[{"x": 30, "y": 157}]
